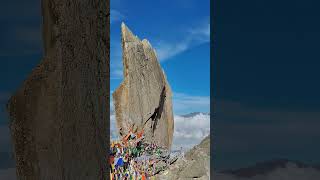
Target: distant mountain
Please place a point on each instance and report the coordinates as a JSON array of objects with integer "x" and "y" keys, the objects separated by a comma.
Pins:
[
  {"x": 264, "y": 168},
  {"x": 194, "y": 114}
]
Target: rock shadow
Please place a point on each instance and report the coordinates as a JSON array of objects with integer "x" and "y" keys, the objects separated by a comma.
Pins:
[{"x": 157, "y": 111}]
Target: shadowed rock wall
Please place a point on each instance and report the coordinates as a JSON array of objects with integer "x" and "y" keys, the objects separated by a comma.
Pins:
[{"x": 59, "y": 116}]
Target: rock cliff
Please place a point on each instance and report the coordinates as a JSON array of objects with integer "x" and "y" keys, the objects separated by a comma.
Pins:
[
  {"x": 195, "y": 164},
  {"x": 143, "y": 100},
  {"x": 59, "y": 114}
]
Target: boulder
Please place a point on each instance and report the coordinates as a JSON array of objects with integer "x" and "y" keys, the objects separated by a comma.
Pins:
[
  {"x": 143, "y": 99},
  {"x": 59, "y": 116}
]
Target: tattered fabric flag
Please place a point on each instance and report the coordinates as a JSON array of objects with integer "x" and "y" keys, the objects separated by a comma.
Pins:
[{"x": 120, "y": 162}]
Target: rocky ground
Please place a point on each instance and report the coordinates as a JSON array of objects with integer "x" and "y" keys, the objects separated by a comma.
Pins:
[{"x": 194, "y": 164}]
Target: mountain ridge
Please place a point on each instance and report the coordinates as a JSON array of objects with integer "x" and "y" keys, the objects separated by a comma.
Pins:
[
  {"x": 265, "y": 167},
  {"x": 192, "y": 114}
]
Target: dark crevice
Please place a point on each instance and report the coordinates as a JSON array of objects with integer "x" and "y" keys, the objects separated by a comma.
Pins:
[{"x": 158, "y": 110}]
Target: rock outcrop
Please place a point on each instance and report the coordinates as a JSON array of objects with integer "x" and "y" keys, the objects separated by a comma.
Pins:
[
  {"x": 59, "y": 117},
  {"x": 194, "y": 164},
  {"x": 143, "y": 100}
]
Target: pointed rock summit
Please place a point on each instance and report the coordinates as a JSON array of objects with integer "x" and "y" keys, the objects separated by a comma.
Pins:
[{"x": 143, "y": 100}]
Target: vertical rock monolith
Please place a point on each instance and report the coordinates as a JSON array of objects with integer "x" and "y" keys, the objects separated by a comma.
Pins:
[
  {"x": 59, "y": 116},
  {"x": 143, "y": 99}
]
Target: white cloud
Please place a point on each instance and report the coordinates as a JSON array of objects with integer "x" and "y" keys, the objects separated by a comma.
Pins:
[
  {"x": 246, "y": 131},
  {"x": 116, "y": 74},
  {"x": 116, "y": 16},
  {"x": 113, "y": 127},
  {"x": 290, "y": 172},
  {"x": 167, "y": 50},
  {"x": 194, "y": 37},
  {"x": 188, "y": 131},
  {"x": 202, "y": 32},
  {"x": 111, "y": 103},
  {"x": 184, "y": 103}
]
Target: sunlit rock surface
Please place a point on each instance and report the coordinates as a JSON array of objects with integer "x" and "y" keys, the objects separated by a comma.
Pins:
[{"x": 143, "y": 100}]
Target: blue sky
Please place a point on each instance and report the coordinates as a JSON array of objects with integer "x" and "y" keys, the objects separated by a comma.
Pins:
[
  {"x": 187, "y": 66},
  {"x": 20, "y": 52},
  {"x": 266, "y": 74},
  {"x": 266, "y": 70},
  {"x": 179, "y": 30}
]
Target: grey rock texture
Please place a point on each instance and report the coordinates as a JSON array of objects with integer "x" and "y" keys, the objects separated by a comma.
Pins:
[
  {"x": 195, "y": 164},
  {"x": 144, "y": 92},
  {"x": 59, "y": 116}
]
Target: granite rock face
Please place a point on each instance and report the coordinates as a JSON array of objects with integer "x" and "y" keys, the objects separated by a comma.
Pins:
[
  {"x": 143, "y": 100},
  {"x": 195, "y": 164},
  {"x": 59, "y": 116}
]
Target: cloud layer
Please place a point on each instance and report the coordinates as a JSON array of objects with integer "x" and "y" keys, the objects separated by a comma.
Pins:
[
  {"x": 165, "y": 49},
  {"x": 290, "y": 172},
  {"x": 193, "y": 37},
  {"x": 186, "y": 103},
  {"x": 247, "y": 134},
  {"x": 188, "y": 131}
]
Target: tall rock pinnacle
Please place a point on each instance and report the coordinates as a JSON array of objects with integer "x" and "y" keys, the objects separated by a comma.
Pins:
[
  {"x": 59, "y": 116},
  {"x": 143, "y": 100}
]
